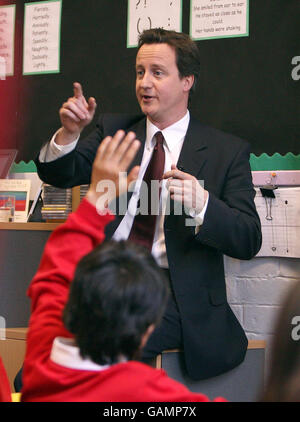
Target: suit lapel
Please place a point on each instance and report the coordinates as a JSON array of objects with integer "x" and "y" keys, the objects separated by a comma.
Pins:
[
  {"x": 139, "y": 129},
  {"x": 194, "y": 151},
  {"x": 193, "y": 156}
]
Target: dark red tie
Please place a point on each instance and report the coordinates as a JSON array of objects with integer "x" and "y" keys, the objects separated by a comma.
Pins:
[{"x": 143, "y": 227}]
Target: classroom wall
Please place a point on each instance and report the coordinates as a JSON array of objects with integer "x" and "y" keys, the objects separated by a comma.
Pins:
[
  {"x": 249, "y": 86},
  {"x": 256, "y": 290}
]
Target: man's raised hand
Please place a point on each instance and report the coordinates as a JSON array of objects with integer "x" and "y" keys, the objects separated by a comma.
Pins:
[{"x": 75, "y": 114}]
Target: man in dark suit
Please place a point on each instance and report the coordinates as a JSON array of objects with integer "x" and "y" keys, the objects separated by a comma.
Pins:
[{"x": 218, "y": 217}]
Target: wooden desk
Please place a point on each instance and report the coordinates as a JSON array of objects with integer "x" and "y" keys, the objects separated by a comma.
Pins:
[
  {"x": 29, "y": 226},
  {"x": 12, "y": 352}
]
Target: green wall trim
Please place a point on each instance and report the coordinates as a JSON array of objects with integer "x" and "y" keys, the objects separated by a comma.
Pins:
[
  {"x": 23, "y": 167},
  {"x": 264, "y": 162}
]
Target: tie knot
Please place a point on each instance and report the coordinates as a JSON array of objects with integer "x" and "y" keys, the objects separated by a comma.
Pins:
[{"x": 159, "y": 138}]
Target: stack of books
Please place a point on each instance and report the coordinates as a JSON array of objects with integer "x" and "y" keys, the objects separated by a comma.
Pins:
[
  {"x": 57, "y": 203},
  {"x": 83, "y": 191}
]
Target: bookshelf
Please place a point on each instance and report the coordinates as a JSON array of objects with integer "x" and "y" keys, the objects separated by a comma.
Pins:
[{"x": 43, "y": 226}]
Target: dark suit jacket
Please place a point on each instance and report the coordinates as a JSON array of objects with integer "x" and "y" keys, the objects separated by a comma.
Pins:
[{"x": 214, "y": 341}]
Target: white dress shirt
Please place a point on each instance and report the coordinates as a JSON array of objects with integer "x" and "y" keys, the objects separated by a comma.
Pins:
[{"x": 173, "y": 140}]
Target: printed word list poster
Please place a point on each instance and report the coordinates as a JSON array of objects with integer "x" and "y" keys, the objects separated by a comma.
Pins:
[
  {"x": 42, "y": 23},
  {"x": 7, "y": 37}
]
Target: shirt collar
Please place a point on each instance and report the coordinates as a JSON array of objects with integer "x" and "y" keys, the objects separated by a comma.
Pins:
[
  {"x": 173, "y": 134},
  {"x": 64, "y": 352}
]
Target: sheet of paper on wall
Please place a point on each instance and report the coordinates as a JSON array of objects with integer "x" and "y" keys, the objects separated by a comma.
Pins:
[
  {"x": 14, "y": 200},
  {"x": 7, "y": 38},
  {"x": 147, "y": 14},
  {"x": 219, "y": 19},
  {"x": 280, "y": 220},
  {"x": 42, "y": 22}
]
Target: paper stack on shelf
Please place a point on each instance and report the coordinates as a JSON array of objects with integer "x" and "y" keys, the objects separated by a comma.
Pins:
[{"x": 57, "y": 203}]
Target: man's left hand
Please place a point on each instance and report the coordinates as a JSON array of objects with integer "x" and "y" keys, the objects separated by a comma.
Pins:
[{"x": 185, "y": 188}]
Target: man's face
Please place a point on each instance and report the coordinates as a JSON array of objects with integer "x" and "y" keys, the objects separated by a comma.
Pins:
[{"x": 162, "y": 95}]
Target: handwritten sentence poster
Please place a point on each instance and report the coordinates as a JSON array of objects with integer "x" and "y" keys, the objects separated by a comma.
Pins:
[
  {"x": 147, "y": 14},
  {"x": 218, "y": 19}
]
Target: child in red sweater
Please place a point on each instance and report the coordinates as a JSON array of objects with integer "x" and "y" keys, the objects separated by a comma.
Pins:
[{"x": 95, "y": 304}]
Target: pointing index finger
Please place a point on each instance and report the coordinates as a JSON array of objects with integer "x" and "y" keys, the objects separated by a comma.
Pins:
[
  {"x": 77, "y": 90},
  {"x": 177, "y": 174}
]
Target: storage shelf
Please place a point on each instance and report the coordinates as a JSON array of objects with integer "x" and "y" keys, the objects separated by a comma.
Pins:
[{"x": 29, "y": 226}]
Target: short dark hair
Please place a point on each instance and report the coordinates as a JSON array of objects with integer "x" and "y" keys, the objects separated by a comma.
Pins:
[
  {"x": 118, "y": 291},
  {"x": 186, "y": 50}
]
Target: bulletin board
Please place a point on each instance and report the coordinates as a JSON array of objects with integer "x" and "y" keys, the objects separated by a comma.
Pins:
[{"x": 249, "y": 84}]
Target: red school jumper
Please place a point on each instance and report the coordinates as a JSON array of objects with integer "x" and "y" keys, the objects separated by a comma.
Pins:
[{"x": 46, "y": 380}]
